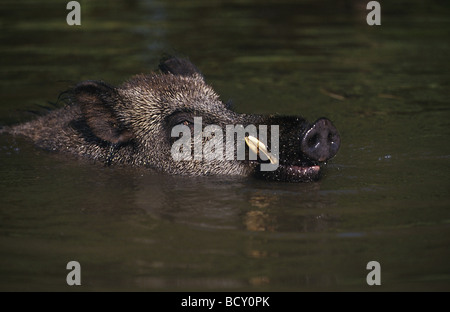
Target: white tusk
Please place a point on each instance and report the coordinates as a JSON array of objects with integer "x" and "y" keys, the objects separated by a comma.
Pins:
[{"x": 257, "y": 146}]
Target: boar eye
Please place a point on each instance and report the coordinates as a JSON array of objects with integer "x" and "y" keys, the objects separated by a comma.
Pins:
[
  {"x": 184, "y": 122},
  {"x": 189, "y": 124},
  {"x": 180, "y": 118}
]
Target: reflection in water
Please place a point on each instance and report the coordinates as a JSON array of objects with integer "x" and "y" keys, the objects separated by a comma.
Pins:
[
  {"x": 259, "y": 221},
  {"x": 227, "y": 204},
  {"x": 234, "y": 203},
  {"x": 261, "y": 201}
]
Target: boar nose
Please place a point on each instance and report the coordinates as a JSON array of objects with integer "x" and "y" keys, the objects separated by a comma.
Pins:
[{"x": 321, "y": 141}]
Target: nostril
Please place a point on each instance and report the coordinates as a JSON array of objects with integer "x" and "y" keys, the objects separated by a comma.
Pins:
[
  {"x": 321, "y": 141},
  {"x": 330, "y": 138},
  {"x": 313, "y": 140}
]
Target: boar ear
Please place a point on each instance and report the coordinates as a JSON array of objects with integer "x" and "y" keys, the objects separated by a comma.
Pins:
[
  {"x": 97, "y": 101},
  {"x": 178, "y": 66}
]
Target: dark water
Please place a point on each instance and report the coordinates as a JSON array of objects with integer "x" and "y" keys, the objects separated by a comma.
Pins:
[{"x": 384, "y": 197}]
